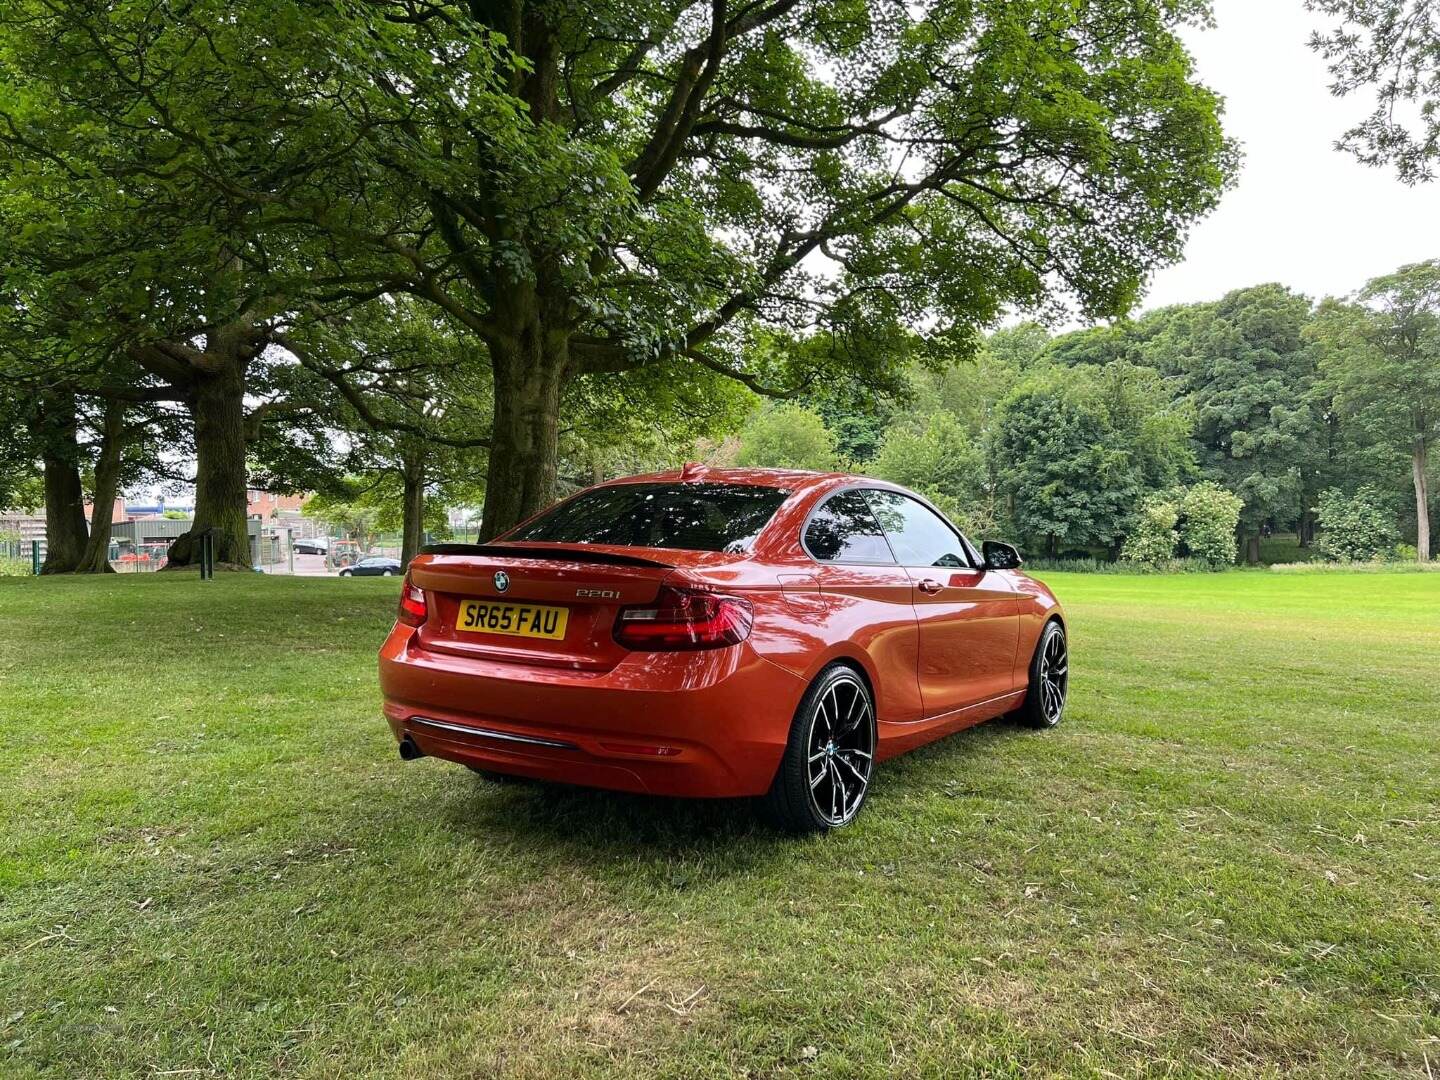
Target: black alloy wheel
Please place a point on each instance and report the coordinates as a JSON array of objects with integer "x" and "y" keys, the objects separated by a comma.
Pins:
[
  {"x": 1049, "y": 680},
  {"x": 824, "y": 776}
]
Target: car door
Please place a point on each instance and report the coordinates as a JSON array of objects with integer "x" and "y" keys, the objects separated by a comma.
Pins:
[
  {"x": 867, "y": 599},
  {"x": 968, "y": 618}
]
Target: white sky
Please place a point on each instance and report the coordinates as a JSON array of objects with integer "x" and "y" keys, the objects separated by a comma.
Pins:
[{"x": 1302, "y": 212}]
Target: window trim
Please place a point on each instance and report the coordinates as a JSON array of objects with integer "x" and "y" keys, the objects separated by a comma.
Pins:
[{"x": 805, "y": 528}]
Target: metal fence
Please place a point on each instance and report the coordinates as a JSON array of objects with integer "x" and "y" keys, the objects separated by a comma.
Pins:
[
  {"x": 273, "y": 551},
  {"x": 138, "y": 558},
  {"x": 17, "y": 557}
]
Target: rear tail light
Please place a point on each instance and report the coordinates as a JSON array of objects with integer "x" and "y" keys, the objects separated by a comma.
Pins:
[
  {"x": 413, "y": 606},
  {"x": 684, "y": 619}
]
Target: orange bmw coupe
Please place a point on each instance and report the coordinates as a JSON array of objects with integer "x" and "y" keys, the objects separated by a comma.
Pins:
[{"x": 719, "y": 632}]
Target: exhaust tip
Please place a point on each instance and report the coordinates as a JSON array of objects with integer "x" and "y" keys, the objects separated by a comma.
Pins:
[{"x": 408, "y": 750}]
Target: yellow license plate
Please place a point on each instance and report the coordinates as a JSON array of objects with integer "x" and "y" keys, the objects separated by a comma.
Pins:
[{"x": 516, "y": 620}]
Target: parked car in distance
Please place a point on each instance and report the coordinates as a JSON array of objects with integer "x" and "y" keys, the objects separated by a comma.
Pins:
[
  {"x": 312, "y": 546},
  {"x": 374, "y": 566},
  {"x": 719, "y": 632}
]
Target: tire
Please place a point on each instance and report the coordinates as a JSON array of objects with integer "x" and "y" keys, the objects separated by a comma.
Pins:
[
  {"x": 387, "y": 573},
  {"x": 346, "y": 573},
  {"x": 834, "y": 731},
  {"x": 1049, "y": 688}
]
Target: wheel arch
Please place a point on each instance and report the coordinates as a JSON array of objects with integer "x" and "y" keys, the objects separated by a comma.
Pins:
[
  {"x": 857, "y": 662},
  {"x": 856, "y": 666},
  {"x": 1038, "y": 609},
  {"x": 1043, "y": 623}
]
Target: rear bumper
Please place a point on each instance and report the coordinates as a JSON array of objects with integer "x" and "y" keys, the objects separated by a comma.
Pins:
[{"x": 700, "y": 724}]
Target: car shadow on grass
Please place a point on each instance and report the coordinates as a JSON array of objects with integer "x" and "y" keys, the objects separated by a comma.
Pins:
[
  {"x": 595, "y": 825},
  {"x": 592, "y": 826}
]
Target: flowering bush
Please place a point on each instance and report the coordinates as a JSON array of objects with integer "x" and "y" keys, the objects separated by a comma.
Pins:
[
  {"x": 1208, "y": 516},
  {"x": 1356, "y": 528},
  {"x": 1154, "y": 539}
]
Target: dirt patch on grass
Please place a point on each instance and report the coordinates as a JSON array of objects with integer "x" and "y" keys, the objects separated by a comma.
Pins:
[{"x": 594, "y": 971}]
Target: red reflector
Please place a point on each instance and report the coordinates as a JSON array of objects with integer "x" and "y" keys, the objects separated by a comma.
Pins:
[
  {"x": 413, "y": 607},
  {"x": 640, "y": 748},
  {"x": 684, "y": 619}
]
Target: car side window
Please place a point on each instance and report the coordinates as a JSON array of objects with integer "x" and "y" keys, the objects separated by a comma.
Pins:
[
  {"x": 844, "y": 530},
  {"x": 918, "y": 535}
]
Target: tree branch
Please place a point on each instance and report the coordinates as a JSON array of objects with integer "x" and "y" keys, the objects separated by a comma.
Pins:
[
  {"x": 357, "y": 401},
  {"x": 697, "y": 71}
]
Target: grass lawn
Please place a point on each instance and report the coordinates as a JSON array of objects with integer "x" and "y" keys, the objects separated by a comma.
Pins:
[{"x": 1227, "y": 861}]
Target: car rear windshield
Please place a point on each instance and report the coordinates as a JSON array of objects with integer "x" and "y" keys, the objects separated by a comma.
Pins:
[{"x": 695, "y": 517}]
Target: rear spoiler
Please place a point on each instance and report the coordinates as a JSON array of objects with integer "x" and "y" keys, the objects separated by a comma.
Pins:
[{"x": 576, "y": 553}]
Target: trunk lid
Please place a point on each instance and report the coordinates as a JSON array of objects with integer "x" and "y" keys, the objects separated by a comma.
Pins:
[{"x": 589, "y": 583}]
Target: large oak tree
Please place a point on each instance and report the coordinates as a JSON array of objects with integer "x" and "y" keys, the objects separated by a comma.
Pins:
[
  {"x": 592, "y": 189},
  {"x": 126, "y": 238},
  {"x": 673, "y": 177}
]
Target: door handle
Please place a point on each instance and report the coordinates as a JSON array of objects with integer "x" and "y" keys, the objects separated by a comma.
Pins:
[{"x": 929, "y": 585}]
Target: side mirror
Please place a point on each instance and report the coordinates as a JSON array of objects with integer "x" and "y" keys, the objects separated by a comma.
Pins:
[{"x": 1000, "y": 556}]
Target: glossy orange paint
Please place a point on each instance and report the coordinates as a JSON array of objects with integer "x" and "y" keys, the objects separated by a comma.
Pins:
[{"x": 941, "y": 649}]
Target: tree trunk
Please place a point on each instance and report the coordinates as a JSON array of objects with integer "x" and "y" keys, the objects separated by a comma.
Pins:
[
  {"x": 1418, "y": 463},
  {"x": 413, "y": 529},
  {"x": 217, "y": 404},
  {"x": 530, "y": 371},
  {"x": 96, "y": 559},
  {"x": 65, "y": 531},
  {"x": 1307, "y": 528},
  {"x": 1252, "y": 549}
]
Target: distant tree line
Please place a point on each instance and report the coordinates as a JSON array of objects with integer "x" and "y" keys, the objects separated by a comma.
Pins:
[{"x": 1309, "y": 416}]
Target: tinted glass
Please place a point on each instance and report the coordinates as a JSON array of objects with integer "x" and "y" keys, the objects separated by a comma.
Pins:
[
  {"x": 918, "y": 535},
  {"x": 844, "y": 530},
  {"x": 695, "y": 517}
]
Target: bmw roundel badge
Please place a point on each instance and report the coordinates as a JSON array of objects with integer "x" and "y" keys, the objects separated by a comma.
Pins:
[{"x": 502, "y": 580}]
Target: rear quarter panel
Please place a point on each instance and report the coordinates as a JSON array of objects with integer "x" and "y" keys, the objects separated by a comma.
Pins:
[{"x": 852, "y": 619}]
